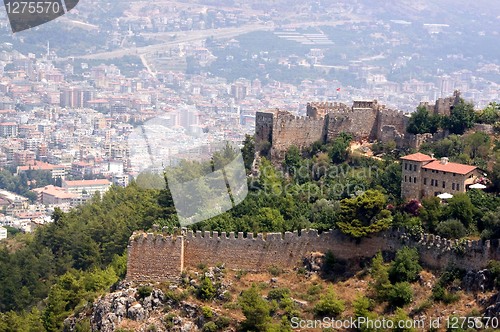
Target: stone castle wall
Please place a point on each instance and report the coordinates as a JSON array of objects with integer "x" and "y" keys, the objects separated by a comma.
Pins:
[
  {"x": 291, "y": 130},
  {"x": 361, "y": 123},
  {"x": 365, "y": 120},
  {"x": 163, "y": 257},
  {"x": 155, "y": 256}
]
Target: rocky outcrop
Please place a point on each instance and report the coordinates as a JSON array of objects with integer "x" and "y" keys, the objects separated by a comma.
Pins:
[
  {"x": 477, "y": 281},
  {"x": 127, "y": 303}
]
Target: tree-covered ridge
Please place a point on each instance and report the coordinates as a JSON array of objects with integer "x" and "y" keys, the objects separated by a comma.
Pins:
[
  {"x": 66, "y": 263},
  {"x": 462, "y": 117}
]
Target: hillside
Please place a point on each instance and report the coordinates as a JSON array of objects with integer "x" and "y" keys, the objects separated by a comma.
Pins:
[{"x": 298, "y": 293}]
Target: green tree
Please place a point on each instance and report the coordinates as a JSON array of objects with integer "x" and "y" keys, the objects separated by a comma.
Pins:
[
  {"x": 422, "y": 121},
  {"x": 379, "y": 272},
  {"x": 451, "y": 229},
  {"x": 390, "y": 179},
  {"x": 400, "y": 294},
  {"x": 206, "y": 290},
  {"x": 292, "y": 160},
  {"x": 490, "y": 114},
  {"x": 460, "y": 207},
  {"x": 401, "y": 316},
  {"x": 363, "y": 307},
  {"x": 477, "y": 145},
  {"x": 255, "y": 309},
  {"x": 405, "y": 266},
  {"x": 462, "y": 117},
  {"x": 365, "y": 214},
  {"x": 491, "y": 225},
  {"x": 495, "y": 175},
  {"x": 248, "y": 151},
  {"x": 329, "y": 305},
  {"x": 339, "y": 148},
  {"x": 430, "y": 213}
]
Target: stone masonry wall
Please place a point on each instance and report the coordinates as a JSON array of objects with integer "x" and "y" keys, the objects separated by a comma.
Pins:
[
  {"x": 291, "y": 130},
  {"x": 275, "y": 249},
  {"x": 362, "y": 123},
  {"x": 154, "y": 256},
  {"x": 162, "y": 257}
]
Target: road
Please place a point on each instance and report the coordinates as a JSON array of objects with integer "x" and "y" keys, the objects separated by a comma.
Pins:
[{"x": 180, "y": 38}]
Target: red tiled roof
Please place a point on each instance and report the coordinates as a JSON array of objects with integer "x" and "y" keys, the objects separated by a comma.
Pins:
[
  {"x": 449, "y": 167},
  {"x": 39, "y": 165},
  {"x": 418, "y": 157},
  {"x": 77, "y": 183}
]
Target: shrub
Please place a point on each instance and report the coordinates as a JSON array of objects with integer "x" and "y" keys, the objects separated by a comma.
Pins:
[
  {"x": 144, "y": 291},
  {"x": 451, "y": 229},
  {"x": 207, "y": 312},
  {"x": 209, "y": 327},
  {"x": 255, "y": 309},
  {"x": 222, "y": 322},
  {"x": 405, "y": 266},
  {"x": 275, "y": 271},
  {"x": 380, "y": 275},
  {"x": 206, "y": 291},
  {"x": 278, "y": 294},
  {"x": 439, "y": 293},
  {"x": 329, "y": 305},
  {"x": 401, "y": 316},
  {"x": 400, "y": 294},
  {"x": 494, "y": 267}
]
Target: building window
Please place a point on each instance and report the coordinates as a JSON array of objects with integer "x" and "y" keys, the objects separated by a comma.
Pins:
[
  {"x": 425, "y": 181},
  {"x": 458, "y": 186},
  {"x": 444, "y": 184},
  {"x": 414, "y": 168},
  {"x": 406, "y": 166},
  {"x": 405, "y": 179},
  {"x": 415, "y": 180},
  {"x": 454, "y": 174},
  {"x": 453, "y": 186}
]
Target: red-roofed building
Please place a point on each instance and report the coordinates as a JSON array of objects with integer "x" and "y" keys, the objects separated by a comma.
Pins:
[
  {"x": 423, "y": 175},
  {"x": 87, "y": 187},
  {"x": 57, "y": 171}
]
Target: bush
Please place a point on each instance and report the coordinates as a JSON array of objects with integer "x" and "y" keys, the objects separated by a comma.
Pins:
[
  {"x": 275, "y": 271},
  {"x": 206, "y": 291},
  {"x": 400, "y": 294},
  {"x": 255, "y": 309},
  {"x": 380, "y": 275},
  {"x": 209, "y": 327},
  {"x": 405, "y": 266},
  {"x": 222, "y": 322},
  {"x": 494, "y": 267},
  {"x": 278, "y": 294},
  {"x": 329, "y": 305},
  {"x": 144, "y": 291},
  {"x": 451, "y": 229},
  {"x": 439, "y": 293},
  {"x": 207, "y": 312}
]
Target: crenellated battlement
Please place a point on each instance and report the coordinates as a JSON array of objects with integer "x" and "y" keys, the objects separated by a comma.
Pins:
[
  {"x": 162, "y": 256},
  {"x": 365, "y": 120}
]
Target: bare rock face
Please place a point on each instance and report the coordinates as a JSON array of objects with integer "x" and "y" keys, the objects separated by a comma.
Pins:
[
  {"x": 477, "y": 281},
  {"x": 111, "y": 309},
  {"x": 493, "y": 310},
  {"x": 314, "y": 262}
]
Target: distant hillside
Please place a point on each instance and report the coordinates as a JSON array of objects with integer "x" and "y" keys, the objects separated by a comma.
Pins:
[{"x": 444, "y": 11}]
